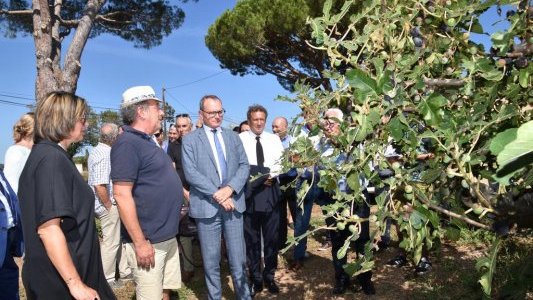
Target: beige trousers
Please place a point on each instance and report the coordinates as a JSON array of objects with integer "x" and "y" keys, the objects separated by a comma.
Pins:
[
  {"x": 110, "y": 246},
  {"x": 164, "y": 275}
]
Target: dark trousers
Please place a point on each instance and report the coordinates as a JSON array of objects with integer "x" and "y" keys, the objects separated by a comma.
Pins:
[
  {"x": 288, "y": 198},
  {"x": 9, "y": 273},
  {"x": 255, "y": 224},
  {"x": 337, "y": 241}
]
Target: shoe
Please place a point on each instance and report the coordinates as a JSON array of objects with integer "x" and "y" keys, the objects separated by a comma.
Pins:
[
  {"x": 116, "y": 284},
  {"x": 398, "y": 261},
  {"x": 256, "y": 288},
  {"x": 368, "y": 288},
  {"x": 384, "y": 243},
  {"x": 187, "y": 276},
  {"x": 296, "y": 265},
  {"x": 272, "y": 286},
  {"x": 341, "y": 285},
  {"x": 325, "y": 246},
  {"x": 424, "y": 266}
]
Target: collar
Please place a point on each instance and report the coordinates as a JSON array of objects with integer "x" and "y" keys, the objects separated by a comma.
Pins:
[
  {"x": 208, "y": 129},
  {"x": 134, "y": 131}
]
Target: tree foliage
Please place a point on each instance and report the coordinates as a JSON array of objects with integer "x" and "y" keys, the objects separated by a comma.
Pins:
[
  {"x": 409, "y": 73},
  {"x": 145, "y": 23},
  {"x": 269, "y": 37}
]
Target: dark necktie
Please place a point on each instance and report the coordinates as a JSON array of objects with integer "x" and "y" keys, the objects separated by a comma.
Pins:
[
  {"x": 221, "y": 159},
  {"x": 9, "y": 199},
  {"x": 259, "y": 152}
]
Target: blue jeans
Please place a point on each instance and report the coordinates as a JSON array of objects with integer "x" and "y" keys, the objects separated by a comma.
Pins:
[{"x": 302, "y": 219}]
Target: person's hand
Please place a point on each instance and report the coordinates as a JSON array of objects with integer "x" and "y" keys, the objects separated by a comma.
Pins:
[
  {"x": 80, "y": 291},
  {"x": 145, "y": 254},
  {"x": 269, "y": 181},
  {"x": 108, "y": 206},
  {"x": 227, "y": 204},
  {"x": 223, "y": 194}
]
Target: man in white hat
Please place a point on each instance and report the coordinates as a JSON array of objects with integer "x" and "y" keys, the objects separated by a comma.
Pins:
[{"x": 149, "y": 195}]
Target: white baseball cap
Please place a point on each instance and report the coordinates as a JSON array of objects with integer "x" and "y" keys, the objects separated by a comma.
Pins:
[{"x": 138, "y": 94}]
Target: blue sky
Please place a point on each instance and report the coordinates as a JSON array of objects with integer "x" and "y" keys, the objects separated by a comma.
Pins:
[{"x": 111, "y": 65}]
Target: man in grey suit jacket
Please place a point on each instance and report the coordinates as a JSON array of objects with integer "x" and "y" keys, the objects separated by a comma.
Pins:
[{"x": 216, "y": 168}]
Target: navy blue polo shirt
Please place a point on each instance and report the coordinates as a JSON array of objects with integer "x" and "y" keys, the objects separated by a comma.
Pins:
[{"x": 157, "y": 189}]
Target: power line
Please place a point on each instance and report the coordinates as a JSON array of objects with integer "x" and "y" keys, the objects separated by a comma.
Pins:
[
  {"x": 177, "y": 101},
  {"x": 17, "y": 97},
  {"x": 15, "y": 103},
  {"x": 197, "y": 80}
]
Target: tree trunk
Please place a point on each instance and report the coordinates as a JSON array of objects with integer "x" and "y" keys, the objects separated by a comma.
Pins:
[{"x": 47, "y": 39}]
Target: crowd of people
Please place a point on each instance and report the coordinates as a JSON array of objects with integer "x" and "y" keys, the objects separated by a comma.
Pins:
[{"x": 139, "y": 184}]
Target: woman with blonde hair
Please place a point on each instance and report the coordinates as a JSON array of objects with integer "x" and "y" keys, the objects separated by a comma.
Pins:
[
  {"x": 17, "y": 154},
  {"x": 62, "y": 258}
]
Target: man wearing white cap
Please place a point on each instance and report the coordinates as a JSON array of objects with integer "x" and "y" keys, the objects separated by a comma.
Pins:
[{"x": 149, "y": 195}]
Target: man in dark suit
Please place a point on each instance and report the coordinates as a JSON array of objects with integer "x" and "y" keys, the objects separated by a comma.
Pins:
[
  {"x": 217, "y": 169},
  {"x": 264, "y": 151},
  {"x": 11, "y": 244}
]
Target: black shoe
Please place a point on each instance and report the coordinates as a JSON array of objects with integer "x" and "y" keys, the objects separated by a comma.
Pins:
[
  {"x": 272, "y": 286},
  {"x": 256, "y": 288},
  {"x": 368, "y": 288},
  {"x": 341, "y": 285},
  {"x": 424, "y": 266},
  {"x": 398, "y": 261}
]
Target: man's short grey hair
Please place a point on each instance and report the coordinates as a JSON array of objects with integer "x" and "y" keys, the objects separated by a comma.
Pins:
[
  {"x": 108, "y": 133},
  {"x": 202, "y": 101},
  {"x": 129, "y": 113},
  {"x": 336, "y": 113}
]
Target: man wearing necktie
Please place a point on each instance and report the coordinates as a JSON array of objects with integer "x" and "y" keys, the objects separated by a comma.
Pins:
[
  {"x": 262, "y": 216},
  {"x": 11, "y": 244},
  {"x": 216, "y": 169}
]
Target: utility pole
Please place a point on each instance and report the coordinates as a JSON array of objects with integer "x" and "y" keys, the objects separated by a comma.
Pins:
[{"x": 164, "y": 112}]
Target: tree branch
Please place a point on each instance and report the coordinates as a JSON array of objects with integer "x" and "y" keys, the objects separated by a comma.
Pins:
[
  {"x": 72, "y": 64},
  {"x": 16, "y": 12},
  {"x": 443, "y": 82},
  {"x": 457, "y": 216}
]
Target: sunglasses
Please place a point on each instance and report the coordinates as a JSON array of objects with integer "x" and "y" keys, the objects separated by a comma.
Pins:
[{"x": 182, "y": 116}]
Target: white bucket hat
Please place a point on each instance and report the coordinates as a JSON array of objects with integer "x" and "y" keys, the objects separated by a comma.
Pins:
[{"x": 138, "y": 94}]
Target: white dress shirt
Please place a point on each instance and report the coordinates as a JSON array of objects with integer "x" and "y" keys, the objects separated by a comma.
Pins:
[
  {"x": 211, "y": 139},
  {"x": 272, "y": 150}
]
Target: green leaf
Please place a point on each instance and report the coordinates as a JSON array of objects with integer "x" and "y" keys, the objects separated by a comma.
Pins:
[
  {"x": 501, "y": 139},
  {"x": 353, "y": 182},
  {"x": 487, "y": 265},
  {"x": 366, "y": 123},
  {"x": 361, "y": 82},
  {"x": 396, "y": 129},
  {"x": 431, "y": 108},
  {"x": 453, "y": 233},
  {"x": 523, "y": 78},
  {"x": 517, "y": 153}
]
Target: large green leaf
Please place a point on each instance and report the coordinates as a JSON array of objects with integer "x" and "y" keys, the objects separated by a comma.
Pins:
[
  {"x": 431, "y": 108},
  {"x": 363, "y": 84},
  {"x": 518, "y": 153},
  {"x": 501, "y": 139}
]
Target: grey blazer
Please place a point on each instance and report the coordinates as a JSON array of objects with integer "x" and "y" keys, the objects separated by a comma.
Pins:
[{"x": 200, "y": 169}]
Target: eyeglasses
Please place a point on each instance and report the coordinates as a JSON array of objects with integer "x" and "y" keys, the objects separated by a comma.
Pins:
[
  {"x": 182, "y": 116},
  {"x": 212, "y": 114},
  {"x": 157, "y": 134}
]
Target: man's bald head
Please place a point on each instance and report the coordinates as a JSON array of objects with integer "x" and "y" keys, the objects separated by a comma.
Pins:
[
  {"x": 279, "y": 127},
  {"x": 108, "y": 133}
]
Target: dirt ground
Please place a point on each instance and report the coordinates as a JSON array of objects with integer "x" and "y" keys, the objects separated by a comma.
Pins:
[{"x": 453, "y": 277}]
